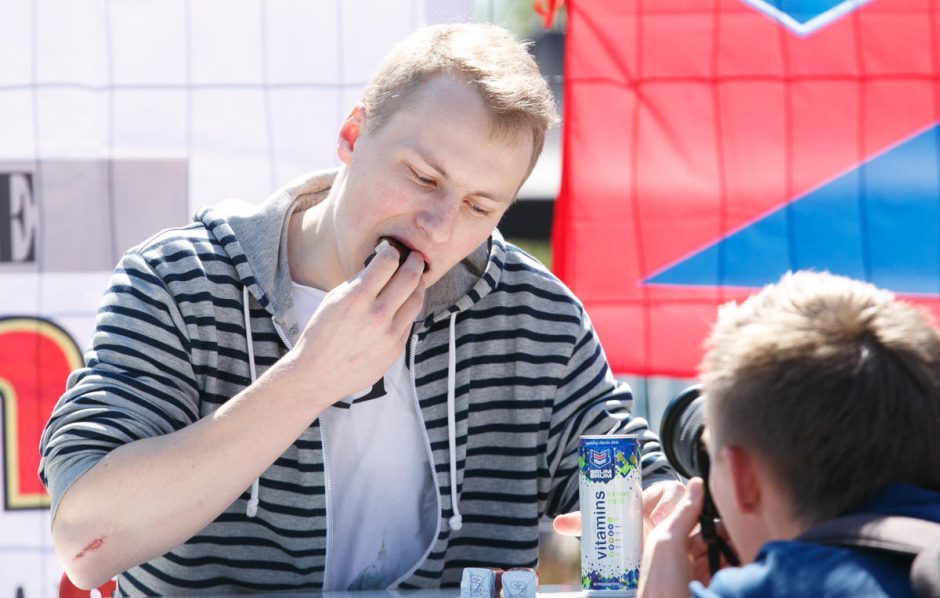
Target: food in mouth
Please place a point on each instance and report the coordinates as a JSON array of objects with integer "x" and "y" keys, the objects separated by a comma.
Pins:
[{"x": 403, "y": 251}]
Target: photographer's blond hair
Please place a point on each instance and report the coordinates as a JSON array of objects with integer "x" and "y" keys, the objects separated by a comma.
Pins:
[
  {"x": 835, "y": 383},
  {"x": 484, "y": 55}
]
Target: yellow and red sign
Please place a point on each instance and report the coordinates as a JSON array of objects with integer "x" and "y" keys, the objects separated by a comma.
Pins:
[{"x": 36, "y": 357}]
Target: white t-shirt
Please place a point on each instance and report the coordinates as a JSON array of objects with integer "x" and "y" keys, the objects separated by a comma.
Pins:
[{"x": 381, "y": 502}]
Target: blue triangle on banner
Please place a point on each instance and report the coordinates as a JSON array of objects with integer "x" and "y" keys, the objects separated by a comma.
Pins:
[
  {"x": 806, "y": 16},
  {"x": 878, "y": 222}
]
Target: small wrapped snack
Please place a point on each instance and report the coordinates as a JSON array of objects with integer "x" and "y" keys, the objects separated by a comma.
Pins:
[
  {"x": 478, "y": 582},
  {"x": 520, "y": 583}
]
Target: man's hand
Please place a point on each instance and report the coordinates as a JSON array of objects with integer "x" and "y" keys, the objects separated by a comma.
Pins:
[
  {"x": 361, "y": 326},
  {"x": 658, "y": 502},
  {"x": 668, "y": 565}
]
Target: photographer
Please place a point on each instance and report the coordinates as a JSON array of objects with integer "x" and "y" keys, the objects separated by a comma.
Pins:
[{"x": 823, "y": 400}]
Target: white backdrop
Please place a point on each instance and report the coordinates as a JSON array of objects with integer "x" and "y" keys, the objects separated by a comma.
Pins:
[{"x": 117, "y": 119}]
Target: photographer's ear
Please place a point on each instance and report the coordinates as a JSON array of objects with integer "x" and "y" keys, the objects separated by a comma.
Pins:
[{"x": 745, "y": 478}]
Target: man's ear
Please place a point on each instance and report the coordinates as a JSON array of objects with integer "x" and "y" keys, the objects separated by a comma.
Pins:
[
  {"x": 349, "y": 133},
  {"x": 744, "y": 477}
]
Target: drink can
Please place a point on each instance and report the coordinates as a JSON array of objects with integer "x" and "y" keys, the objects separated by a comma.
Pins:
[{"x": 611, "y": 514}]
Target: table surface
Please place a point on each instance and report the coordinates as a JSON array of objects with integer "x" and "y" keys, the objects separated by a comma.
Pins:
[{"x": 555, "y": 592}]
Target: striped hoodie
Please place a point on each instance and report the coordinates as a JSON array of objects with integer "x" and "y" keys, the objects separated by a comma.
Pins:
[{"x": 526, "y": 376}]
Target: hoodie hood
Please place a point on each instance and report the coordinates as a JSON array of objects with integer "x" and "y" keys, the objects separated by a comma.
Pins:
[{"x": 255, "y": 237}]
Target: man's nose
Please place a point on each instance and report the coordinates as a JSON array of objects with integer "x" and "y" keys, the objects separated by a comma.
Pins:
[{"x": 438, "y": 216}]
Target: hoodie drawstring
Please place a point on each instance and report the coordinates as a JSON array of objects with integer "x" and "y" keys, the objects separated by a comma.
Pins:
[
  {"x": 456, "y": 520},
  {"x": 252, "y": 509}
]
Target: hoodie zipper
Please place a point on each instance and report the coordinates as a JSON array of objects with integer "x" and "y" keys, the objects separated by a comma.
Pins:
[
  {"x": 326, "y": 476},
  {"x": 280, "y": 333},
  {"x": 326, "y": 501},
  {"x": 434, "y": 481}
]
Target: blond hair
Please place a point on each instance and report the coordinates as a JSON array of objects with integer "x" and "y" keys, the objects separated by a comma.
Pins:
[
  {"x": 834, "y": 383},
  {"x": 488, "y": 57}
]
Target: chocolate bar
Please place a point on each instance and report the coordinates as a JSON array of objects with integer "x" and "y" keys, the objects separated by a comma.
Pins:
[{"x": 403, "y": 250}]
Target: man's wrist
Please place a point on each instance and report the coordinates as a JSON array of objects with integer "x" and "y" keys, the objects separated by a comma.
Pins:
[{"x": 297, "y": 386}]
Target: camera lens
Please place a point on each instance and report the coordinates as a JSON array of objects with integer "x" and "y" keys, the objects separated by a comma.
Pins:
[{"x": 681, "y": 431}]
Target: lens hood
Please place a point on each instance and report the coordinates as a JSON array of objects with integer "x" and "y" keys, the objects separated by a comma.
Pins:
[{"x": 681, "y": 431}]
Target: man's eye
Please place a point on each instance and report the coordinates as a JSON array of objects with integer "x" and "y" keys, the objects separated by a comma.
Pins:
[
  {"x": 422, "y": 180},
  {"x": 477, "y": 209}
]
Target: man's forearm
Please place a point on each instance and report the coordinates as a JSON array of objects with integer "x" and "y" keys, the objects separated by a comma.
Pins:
[{"x": 148, "y": 496}]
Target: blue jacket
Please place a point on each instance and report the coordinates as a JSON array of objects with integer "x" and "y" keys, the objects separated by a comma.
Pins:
[{"x": 790, "y": 568}]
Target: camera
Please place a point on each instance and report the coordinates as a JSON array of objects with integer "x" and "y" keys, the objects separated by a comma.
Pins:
[
  {"x": 681, "y": 432},
  {"x": 683, "y": 424}
]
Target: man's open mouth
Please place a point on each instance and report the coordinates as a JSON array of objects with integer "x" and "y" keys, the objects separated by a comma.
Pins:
[{"x": 403, "y": 251}]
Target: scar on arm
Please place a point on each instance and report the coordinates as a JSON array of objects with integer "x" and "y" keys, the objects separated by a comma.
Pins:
[{"x": 93, "y": 545}]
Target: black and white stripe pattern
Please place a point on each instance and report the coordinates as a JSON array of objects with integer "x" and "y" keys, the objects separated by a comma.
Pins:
[{"x": 170, "y": 348}]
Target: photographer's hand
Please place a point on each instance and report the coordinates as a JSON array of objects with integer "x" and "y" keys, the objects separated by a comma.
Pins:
[
  {"x": 668, "y": 565},
  {"x": 659, "y": 500},
  {"x": 698, "y": 552}
]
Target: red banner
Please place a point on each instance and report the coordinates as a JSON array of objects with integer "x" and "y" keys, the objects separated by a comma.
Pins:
[{"x": 710, "y": 147}]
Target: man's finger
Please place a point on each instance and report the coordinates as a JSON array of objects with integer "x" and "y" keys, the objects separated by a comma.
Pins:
[
  {"x": 409, "y": 310},
  {"x": 381, "y": 268},
  {"x": 402, "y": 283},
  {"x": 568, "y": 524}
]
